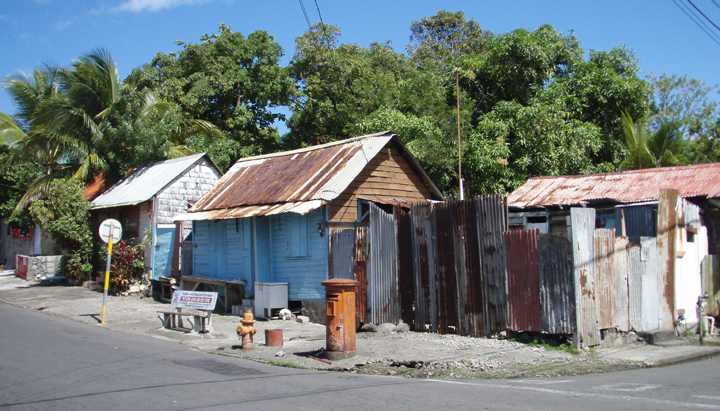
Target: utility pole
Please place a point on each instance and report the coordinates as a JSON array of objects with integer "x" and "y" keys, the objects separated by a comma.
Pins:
[{"x": 457, "y": 93}]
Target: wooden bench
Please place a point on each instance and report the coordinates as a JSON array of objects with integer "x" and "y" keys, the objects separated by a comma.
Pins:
[
  {"x": 202, "y": 303},
  {"x": 228, "y": 285}
]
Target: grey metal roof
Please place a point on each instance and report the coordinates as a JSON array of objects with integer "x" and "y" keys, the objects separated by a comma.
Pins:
[{"x": 142, "y": 184}]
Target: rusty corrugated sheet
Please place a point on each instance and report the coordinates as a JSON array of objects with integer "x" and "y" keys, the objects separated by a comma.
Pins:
[
  {"x": 634, "y": 276},
  {"x": 252, "y": 211},
  {"x": 583, "y": 239},
  {"x": 406, "y": 283},
  {"x": 383, "y": 298},
  {"x": 446, "y": 270},
  {"x": 625, "y": 187},
  {"x": 711, "y": 284},
  {"x": 492, "y": 225},
  {"x": 342, "y": 244},
  {"x": 605, "y": 289},
  {"x": 524, "y": 305},
  {"x": 650, "y": 283},
  {"x": 470, "y": 299},
  {"x": 360, "y": 272},
  {"x": 666, "y": 244},
  {"x": 557, "y": 290},
  {"x": 423, "y": 243},
  {"x": 622, "y": 308}
]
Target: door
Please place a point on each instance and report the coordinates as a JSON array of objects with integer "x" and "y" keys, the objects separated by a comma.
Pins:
[{"x": 163, "y": 250}]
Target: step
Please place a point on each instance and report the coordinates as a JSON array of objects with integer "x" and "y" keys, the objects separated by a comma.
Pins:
[{"x": 657, "y": 336}]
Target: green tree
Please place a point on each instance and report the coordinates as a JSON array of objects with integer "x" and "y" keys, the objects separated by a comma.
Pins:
[
  {"x": 233, "y": 82},
  {"x": 444, "y": 37},
  {"x": 340, "y": 85},
  {"x": 66, "y": 216},
  {"x": 648, "y": 149}
]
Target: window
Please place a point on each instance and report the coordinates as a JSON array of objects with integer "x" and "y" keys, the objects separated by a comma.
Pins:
[{"x": 297, "y": 235}]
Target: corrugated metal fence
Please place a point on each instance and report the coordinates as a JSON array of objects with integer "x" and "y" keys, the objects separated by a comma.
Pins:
[{"x": 454, "y": 267}]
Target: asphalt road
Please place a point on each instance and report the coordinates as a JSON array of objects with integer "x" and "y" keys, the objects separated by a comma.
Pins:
[{"x": 51, "y": 363}]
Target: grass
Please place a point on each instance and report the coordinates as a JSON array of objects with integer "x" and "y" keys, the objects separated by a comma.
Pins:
[
  {"x": 285, "y": 364},
  {"x": 567, "y": 347}
]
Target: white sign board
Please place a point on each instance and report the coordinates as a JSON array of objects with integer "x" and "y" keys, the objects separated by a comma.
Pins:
[
  {"x": 199, "y": 300},
  {"x": 108, "y": 227}
]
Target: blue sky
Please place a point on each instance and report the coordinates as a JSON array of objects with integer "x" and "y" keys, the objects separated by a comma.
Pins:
[{"x": 55, "y": 32}]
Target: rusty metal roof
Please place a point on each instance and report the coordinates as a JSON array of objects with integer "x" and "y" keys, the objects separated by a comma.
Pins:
[
  {"x": 317, "y": 173},
  {"x": 701, "y": 180},
  {"x": 302, "y": 207}
]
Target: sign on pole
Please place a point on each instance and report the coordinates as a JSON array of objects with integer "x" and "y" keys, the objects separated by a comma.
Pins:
[
  {"x": 110, "y": 232},
  {"x": 110, "y": 229}
]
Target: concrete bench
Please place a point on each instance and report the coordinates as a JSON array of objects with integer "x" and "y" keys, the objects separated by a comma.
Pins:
[
  {"x": 203, "y": 303},
  {"x": 201, "y": 320}
]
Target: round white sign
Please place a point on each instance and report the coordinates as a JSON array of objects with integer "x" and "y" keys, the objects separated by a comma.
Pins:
[{"x": 108, "y": 227}]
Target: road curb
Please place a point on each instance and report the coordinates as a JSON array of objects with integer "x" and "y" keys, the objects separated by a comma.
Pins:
[{"x": 684, "y": 358}]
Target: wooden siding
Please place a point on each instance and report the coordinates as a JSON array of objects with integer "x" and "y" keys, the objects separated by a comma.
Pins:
[
  {"x": 303, "y": 275},
  {"x": 389, "y": 174}
]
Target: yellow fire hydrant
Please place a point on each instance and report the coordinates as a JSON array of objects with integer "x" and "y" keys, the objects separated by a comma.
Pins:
[{"x": 247, "y": 330}]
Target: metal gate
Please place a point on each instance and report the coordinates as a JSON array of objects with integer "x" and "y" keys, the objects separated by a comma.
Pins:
[{"x": 383, "y": 298}]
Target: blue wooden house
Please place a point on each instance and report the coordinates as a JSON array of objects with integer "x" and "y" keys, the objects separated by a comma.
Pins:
[{"x": 269, "y": 218}]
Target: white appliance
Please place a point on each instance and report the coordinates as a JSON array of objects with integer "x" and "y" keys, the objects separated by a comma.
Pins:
[{"x": 270, "y": 296}]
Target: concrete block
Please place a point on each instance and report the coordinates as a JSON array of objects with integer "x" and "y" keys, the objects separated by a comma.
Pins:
[{"x": 303, "y": 319}]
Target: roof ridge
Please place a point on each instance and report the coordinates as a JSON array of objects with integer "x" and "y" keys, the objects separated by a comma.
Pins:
[
  {"x": 315, "y": 147},
  {"x": 638, "y": 171}
]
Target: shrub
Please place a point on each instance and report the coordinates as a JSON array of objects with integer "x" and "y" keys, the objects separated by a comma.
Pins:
[
  {"x": 66, "y": 216},
  {"x": 127, "y": 264}
]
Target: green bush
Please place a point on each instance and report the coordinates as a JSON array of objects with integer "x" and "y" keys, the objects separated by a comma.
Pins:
[
  {"x": 127, "y": 264},
  {"x": 66, "y": 216}
]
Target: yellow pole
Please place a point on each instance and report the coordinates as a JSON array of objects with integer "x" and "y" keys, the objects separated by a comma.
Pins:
[{"x": 107, "y": 277}]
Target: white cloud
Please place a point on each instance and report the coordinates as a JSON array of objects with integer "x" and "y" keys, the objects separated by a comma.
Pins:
[
  {"x": 22, "y": 36},
  {"x": 62, "y": 25},
  {"x": 137, "y": 6}
]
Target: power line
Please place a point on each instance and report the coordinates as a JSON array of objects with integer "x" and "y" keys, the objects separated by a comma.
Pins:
[
  {"x": 693, "y": 18},
  {"x": 323, "y": 24},
  {"x": 715, "y": 3},
  {"x": 302, "y": 6},
  {"x": 703, "y": 14}
]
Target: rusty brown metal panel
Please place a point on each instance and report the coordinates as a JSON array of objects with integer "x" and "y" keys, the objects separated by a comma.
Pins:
[
  {"x": 446, "y": 273},
  {"x": 406, "y": 285},
  {"x": 524, "y": 307},
  {"x": 711, "y": 283},
  {"x": 492, "y": 224},
  {"x": 424, "y": 267},
  {"x": 666, "y": 243},
  {"x": 629, "y": 186},
  {"x": 634, "y": 278},
  {"x": 622, "y": 308},
  {"x": 469, "y": 284},
  {"x": 605, "y": 292},
  {"x": 557, "y": 290},
  {"x": 583, "y": 239},
  {"x": 362, "y": 255}
]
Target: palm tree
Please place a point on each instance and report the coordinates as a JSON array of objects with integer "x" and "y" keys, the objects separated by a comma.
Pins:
[
  {"x": 648, "y": 150},
  {"x": 63, "y": 114}
]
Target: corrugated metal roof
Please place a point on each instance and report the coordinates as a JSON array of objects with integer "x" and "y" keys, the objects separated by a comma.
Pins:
[
  {"x": 142, "y": 184},
  {"x": 320, "y": 172},
  {"x": 627, "y": 187},
  {"x": 302, "y": 207}
]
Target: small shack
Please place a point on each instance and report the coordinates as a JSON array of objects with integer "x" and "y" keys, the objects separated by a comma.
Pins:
[
  {"x": 671, "y": 213},
  {"x": 146, "y": 200},
  {"x": 270, "y": 219}
]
